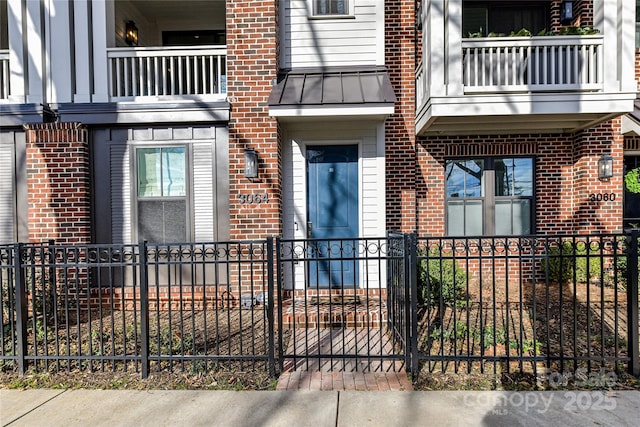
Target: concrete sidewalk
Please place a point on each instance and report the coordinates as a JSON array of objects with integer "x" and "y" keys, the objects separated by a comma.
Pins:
[{"x": 317, "y": 408}]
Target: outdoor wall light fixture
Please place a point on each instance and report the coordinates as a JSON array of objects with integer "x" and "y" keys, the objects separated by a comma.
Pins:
[
  {"x": 250, "y": 163},
  {"x": 566, "y": 12},
  {"x": 605, "y": 167},
  {"x": 131, "y": 33}
]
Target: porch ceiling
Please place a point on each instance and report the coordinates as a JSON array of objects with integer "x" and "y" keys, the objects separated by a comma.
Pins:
[
  {"x": 172, "y": 10},
  {"x": 508, "y": 124},
  {"x": 520, "y": 113},
  {"x": 631, "y": 121}
]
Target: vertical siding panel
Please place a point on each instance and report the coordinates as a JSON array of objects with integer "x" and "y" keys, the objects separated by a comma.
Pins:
[
  {"x": 121, "y": 216},
  {"x": 7, "y": 190},
  {"x": 203, "y": 206},
  {"x": 370, "y": 188}
]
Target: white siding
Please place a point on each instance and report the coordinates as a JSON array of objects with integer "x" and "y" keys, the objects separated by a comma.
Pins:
[
  {"x": 370, "y": 139},
  {"x": 7, "y": 192},
  {"x": 357, "y": 40}
]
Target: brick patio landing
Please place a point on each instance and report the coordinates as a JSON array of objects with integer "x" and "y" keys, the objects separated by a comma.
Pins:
[
  {"x": 342, "y": 359},
  {"x": 347, "y": 381}
]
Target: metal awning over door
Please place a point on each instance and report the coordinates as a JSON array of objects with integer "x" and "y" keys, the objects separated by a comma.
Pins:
[{"x": 333, "y": 91}]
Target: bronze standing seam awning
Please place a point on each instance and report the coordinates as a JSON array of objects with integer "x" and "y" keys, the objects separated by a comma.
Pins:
[{"x": 363, "y": 91}]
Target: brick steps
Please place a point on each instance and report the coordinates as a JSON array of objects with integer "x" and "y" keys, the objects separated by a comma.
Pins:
[{"x": 365, "y": 313}]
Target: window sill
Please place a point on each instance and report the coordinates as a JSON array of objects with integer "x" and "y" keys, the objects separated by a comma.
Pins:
[{"x": 329, "y": 17}]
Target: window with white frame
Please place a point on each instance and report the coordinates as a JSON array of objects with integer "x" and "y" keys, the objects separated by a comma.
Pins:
[
  {"x": 489, "y": 196},
  {"x": 162, "y": 196},
  {"x": 330, "y": 7}
]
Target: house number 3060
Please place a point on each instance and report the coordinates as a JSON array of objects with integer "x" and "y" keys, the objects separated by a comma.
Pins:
[
  {"x": 253, "y": 199},
  {"x": 602, "y": 197}
]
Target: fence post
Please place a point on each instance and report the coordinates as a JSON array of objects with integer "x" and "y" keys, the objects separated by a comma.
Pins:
[
  {"x": 411, "y": 303},
  {"x": 21, "y": 309},
  {"x": 632, "y": 302},
  {"x": 270, "y": 308},
  {"x": 144, "y": 308},
  {"x": 279, "y": 290}
]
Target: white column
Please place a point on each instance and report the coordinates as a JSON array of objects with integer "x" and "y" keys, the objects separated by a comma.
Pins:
[
  {"x": 59, "y": 31},
  {"x": 34, "y": 54},
  {"x": 605, "y": 20},
  {"x": 434, "y": 60},
  {"x": 453, "y": 35},
  {"x": 17, "y": 76},
  {"x": 99, "y": 15},
  {"x": 81, "y": 33},
  {"x": 626, "y": 38}
]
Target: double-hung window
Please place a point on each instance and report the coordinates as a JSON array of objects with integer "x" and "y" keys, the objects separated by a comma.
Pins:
[
  {"x": 489, "y": 196},
  {"x": 162, "y": 196},
  {"x": 331, "y": 7}
]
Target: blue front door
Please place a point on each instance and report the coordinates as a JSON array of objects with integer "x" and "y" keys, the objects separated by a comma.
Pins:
[{"x": 332, "y": 176}]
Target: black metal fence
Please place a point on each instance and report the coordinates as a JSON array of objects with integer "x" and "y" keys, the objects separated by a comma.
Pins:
[
  {"x": 528, "y": 304},
  {"x": 485, "y": 304},
  {"x": 144, "y": 307}
]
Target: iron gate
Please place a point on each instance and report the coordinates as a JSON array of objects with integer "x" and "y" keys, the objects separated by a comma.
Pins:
[{"x": 355, "y": 326}]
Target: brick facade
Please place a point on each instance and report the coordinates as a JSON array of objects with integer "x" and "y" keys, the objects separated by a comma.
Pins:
[
  {"x": 582, "y": 14},
  {"x": 599, "y": 215},
  {"x": 400, "y": 151},
  {"x": 252, "y": 49},
  {"x": 565, "y": 177},
  {"x": 566, "y": 165},
  {"x": 58, "y": 183},
  {"x": 58, "y": 167}
]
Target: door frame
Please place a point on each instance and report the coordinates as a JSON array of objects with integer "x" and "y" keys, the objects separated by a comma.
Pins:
[{"x": 369, "y": 136}]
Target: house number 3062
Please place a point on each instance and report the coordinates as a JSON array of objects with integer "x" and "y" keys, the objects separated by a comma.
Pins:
[
  {"x": 253, "y": 199},
  {"x": 602, "y": 197}
]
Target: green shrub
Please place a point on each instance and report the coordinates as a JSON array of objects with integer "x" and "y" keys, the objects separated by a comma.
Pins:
[
  {"x": 439, "y": 278},
  {"x": 578, "y": 31},
  {"x": 490, "y": 336},
  {"x": 171, "y": 341},
  {"x": 573, "y": 259},
  {"x": 616, "y": 275},
  {"x": 458, "y": 331}
]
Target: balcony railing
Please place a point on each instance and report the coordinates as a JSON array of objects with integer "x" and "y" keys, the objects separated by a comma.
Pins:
[
  {"x": 4, "y": 74},
  {"x": 167, "y": 72},
  {"x": 532, "y": 64}
]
